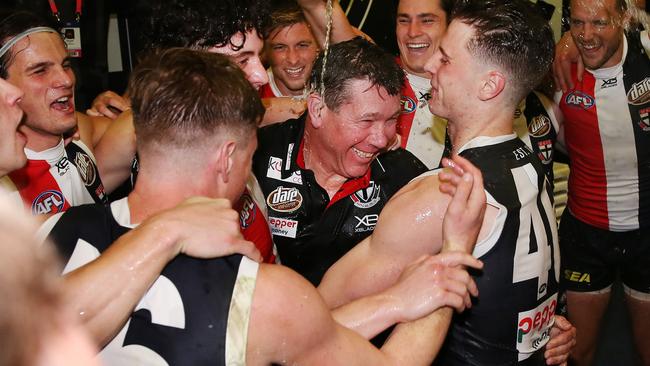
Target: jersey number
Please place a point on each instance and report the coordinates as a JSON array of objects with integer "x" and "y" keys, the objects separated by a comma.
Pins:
[{"x": 533, "y": 254}]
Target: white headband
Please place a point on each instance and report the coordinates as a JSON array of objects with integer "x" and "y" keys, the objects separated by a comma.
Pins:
[{"x": 22, "y": 35}]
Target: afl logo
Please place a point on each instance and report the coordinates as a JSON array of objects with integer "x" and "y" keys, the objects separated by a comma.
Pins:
[
  {"x": 579, "y": 99},
  {"x": 284, "y": 199},
  {"x": 48, "y": 201},
  {"x": 639, "y": 93},
  {"x": 367, "y": 197},
  {"x": 539, "y": 126},
  {"x": 247, "y": 213},
  {"x": 408, "y": 105},
  {"x": 86, "y": 168}
]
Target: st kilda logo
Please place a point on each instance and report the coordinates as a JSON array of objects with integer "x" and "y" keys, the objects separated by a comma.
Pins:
[
  {"x": 367, "y": 197},
  {"x": 284, "y": 199}
]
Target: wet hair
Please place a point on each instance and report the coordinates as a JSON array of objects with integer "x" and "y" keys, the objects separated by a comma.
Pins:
[
  {"x": 448, "y": 7},
  {"x": 202, "y": 24},
  {"x": 13, "y": 23},
  {"x": 510, "y": 35},
  {"x": 356, "y": 59},
  {"x": 284, "y": 16},
  {"x": 182, "y": 97}
]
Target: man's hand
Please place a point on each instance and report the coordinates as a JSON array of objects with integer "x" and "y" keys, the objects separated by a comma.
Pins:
[
  {"x": 432, "y": 282},
  {"x": 108, "y": 104},
  {"x": 204, "y": 228},
  {"x": 563, "y": 339},
  {"x": 464, "y": 216},
  {"x": 566, "y": 53}
]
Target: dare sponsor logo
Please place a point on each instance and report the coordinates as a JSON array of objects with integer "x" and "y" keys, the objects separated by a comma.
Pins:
[
  {"x": 247, "y": 213},
  {"x": 534, "y": 326},
  {"x": 86, "y": 168},
  {"x": 579, "y": 99},
  {"x": 283, "y": 227},
  {"x": 575, "y": 276},
  {"x": 50, "y": 201},
  {"x": 366, "y": 223},
  {"x": 284, "y": 199},
  {"x": 367, "y": 197},
  {"x": 639, "y": 93},
  {"x": 408, "y": 104},
  {"x": 539, "y": 126}
]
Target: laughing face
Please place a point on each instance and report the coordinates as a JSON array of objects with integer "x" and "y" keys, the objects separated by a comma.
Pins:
[
  {"x": 42, "y": 70},
  {"x": 247, "y": 57},
  {"x": 291, "y": 53},
  {"x": 360, "y": 129},
  {"x": 420, "y": 26},
  {"x": 597, "y": 30}
]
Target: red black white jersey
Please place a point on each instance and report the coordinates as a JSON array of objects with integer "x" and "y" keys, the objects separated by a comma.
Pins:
[
  {"x": 607, "y": 134},
  {"x": 510, "y": 322},
  {"x": 58, "y": 178},
  {"x": 271, "y": 90},
  {"x": 422, "y": 133},
  {"x": 312, "y": 231},
  {"x": 537, "y": 125},
  {"x": 252, "y": 220},
  {"x": 195, "y": 313}
]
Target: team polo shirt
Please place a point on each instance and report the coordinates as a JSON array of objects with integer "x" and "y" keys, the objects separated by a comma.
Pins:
[
  {"x": 310, "y": 231},
  {"x": 607, "y": 133},
  {"x": 56, "y": 179}
]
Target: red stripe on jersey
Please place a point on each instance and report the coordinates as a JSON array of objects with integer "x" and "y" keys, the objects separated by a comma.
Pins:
[
  {"x": 409, "y": 105},
  {"x": 33, "y": 182},
  {"x": 266, "y": 91},
  {"x": 588, "y": 178}
]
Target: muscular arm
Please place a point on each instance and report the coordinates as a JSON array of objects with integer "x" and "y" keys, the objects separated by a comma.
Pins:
[
  {"x": 316, "y": 13},
  {"x": 296, "y": 328},
  {"x": 105, "y": 291}
]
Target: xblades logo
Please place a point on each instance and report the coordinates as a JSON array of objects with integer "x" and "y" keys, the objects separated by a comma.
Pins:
[
  {"x": 62, "y": 165},
  {"x": 608, "y": 83}
]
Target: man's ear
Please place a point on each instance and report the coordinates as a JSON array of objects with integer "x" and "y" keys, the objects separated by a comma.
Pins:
[
  {"x": 492, "y": 85},
  {"x": 224, "y": 159},
  {"x": 315, "y": 108}
]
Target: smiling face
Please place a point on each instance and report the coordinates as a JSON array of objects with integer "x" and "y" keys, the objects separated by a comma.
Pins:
[
  {"x": 41, "y": 69},
  {"x": 247, "y": 57},
  {"x": 12, "y": 142},
  {"x": 420, "y": 26},
  {"x": 291, "y": 52},
  {"x": 454, "y": 73},
  {"x": 360, "y": 129},
  {"x": 597, "y": 30}
]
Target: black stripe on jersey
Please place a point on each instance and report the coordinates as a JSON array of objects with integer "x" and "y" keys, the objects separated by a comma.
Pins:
[{"x": 637, "y": 70}]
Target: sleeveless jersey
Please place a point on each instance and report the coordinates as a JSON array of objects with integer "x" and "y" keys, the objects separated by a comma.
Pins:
[
  {"x": 537, "y": 126},
  {"x": 510, "y": 322},
  {"x": 56, "y": 179},
  {"x": 195, "y": 313},
  {"x": 311, "y": 231},
  {"x": 422, "y": 133},
  {"x": 607, "y": 133}
]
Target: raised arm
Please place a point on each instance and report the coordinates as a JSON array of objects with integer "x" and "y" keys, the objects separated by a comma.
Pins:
[{"x": 316, "y": 13}]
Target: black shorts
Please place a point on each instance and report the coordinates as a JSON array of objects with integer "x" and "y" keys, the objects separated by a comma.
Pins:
[{"x": 591, "y": 257}]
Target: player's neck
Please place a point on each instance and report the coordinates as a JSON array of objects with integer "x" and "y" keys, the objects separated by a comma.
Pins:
[
  {"x": 463, "y": 130},
  {"x": 157, "y": 192},
  {"x": 39, "y": 140}
]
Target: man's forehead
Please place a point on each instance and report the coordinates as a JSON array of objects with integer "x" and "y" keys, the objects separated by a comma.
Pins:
[
  {"x": 38, "y": 47},
  {"x": 415, "y": 7}
]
